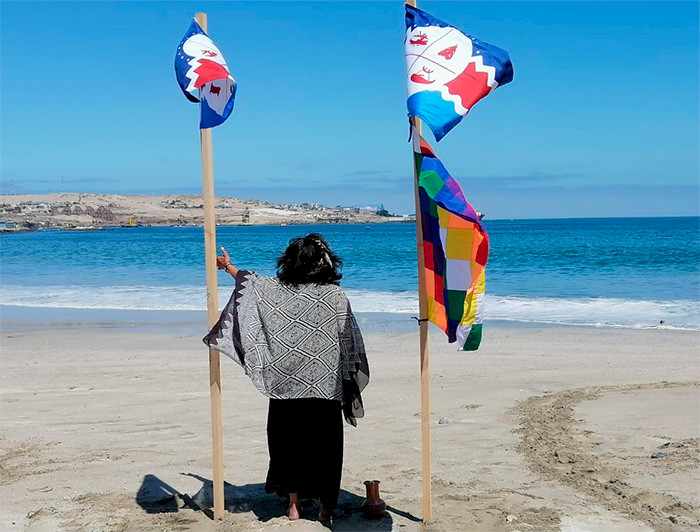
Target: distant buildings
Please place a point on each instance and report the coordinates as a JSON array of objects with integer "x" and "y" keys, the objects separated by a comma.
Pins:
[
  {"x": 95, "y": 211},
  {"x": 35, "y": 213}
]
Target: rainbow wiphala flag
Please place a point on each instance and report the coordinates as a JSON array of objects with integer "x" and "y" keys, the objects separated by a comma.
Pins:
[{"x": 455, "y": 248}]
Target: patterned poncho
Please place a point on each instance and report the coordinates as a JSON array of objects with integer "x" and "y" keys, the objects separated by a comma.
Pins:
[{"x": 294, "y": 341}]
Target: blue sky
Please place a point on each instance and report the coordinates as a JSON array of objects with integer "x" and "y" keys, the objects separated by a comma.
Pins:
[{"x": 602, "y": 118}]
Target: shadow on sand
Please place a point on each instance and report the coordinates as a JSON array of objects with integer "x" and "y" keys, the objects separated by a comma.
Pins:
[{"x": 155, "y": 496}]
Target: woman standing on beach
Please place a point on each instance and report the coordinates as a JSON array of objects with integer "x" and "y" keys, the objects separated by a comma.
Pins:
[{"x": 297, "y": 339}]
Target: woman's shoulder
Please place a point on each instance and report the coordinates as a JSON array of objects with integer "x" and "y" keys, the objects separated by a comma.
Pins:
[
  {"x": 331, "y": 288},
  {"x": 262, "y": 282},
  {"x": 333, "y": 293},
  {"x": 325, "y": 290},
  {"x": 268, "y": 281}
]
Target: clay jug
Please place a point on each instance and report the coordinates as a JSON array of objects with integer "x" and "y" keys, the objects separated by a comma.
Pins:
[{"x": 373, "y": 505}]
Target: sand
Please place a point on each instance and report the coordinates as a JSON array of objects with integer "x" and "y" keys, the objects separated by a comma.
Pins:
[{"x": 548, "y": 429}]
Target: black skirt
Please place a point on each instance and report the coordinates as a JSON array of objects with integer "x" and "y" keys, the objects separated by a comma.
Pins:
[{"x": 305, "y": 442}]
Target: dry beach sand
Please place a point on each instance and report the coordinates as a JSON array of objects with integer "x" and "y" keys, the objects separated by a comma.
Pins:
[{"x": 549, "y": 429}]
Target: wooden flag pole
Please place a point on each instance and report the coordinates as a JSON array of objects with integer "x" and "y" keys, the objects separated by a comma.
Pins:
[
  {"x": 424, "y": 351},
  {"x": 212, "y": 310}
]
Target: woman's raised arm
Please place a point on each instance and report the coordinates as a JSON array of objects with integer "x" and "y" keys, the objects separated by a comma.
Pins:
[{"x": 223, "y": 262}]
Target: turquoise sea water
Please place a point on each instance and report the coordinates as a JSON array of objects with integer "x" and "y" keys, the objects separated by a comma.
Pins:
[{"x": 626, "y": 272}]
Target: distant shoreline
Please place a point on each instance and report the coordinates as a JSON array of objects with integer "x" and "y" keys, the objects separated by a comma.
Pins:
[
  {"x": 25, "y": 229},
  {"x": 90, "y": 212},
  {"x": 77, "y": 211}
]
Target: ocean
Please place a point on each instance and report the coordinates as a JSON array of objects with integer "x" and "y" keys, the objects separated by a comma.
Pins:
[{"x": 603, "y": 272}]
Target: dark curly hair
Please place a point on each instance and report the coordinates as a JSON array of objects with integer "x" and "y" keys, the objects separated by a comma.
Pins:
[{"x": 308, "y": 259}]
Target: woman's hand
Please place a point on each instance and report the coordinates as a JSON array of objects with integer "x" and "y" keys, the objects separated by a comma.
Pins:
[{"x": 223, "y": 262}]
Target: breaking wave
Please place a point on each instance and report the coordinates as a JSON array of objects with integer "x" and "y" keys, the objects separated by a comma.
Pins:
[{"x": 584, "y": 311}]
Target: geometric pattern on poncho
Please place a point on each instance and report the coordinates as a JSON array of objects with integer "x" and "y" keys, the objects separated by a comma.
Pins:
[{"x": 293, "y": 341}]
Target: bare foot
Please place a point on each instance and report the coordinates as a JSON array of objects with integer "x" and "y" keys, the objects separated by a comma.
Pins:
[
  {"x": 294, "y": 507},
  {"x": 293, "y": 512},
  {"x": 323, "y": 514}
]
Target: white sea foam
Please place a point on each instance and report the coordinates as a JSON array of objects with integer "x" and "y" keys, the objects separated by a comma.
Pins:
[
  {"x": 596, "y": 312},
  {"x": 394, "y": 302},
  {"x": 135, "y": 297}
]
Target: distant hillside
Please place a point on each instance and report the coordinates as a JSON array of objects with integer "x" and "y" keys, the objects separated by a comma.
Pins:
[{"x": 75, "y": 211}]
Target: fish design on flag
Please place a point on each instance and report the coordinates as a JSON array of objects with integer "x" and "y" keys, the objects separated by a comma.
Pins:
[
  {"x": 204, "y": 77},
  {"x": 447, "y": 71}
]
